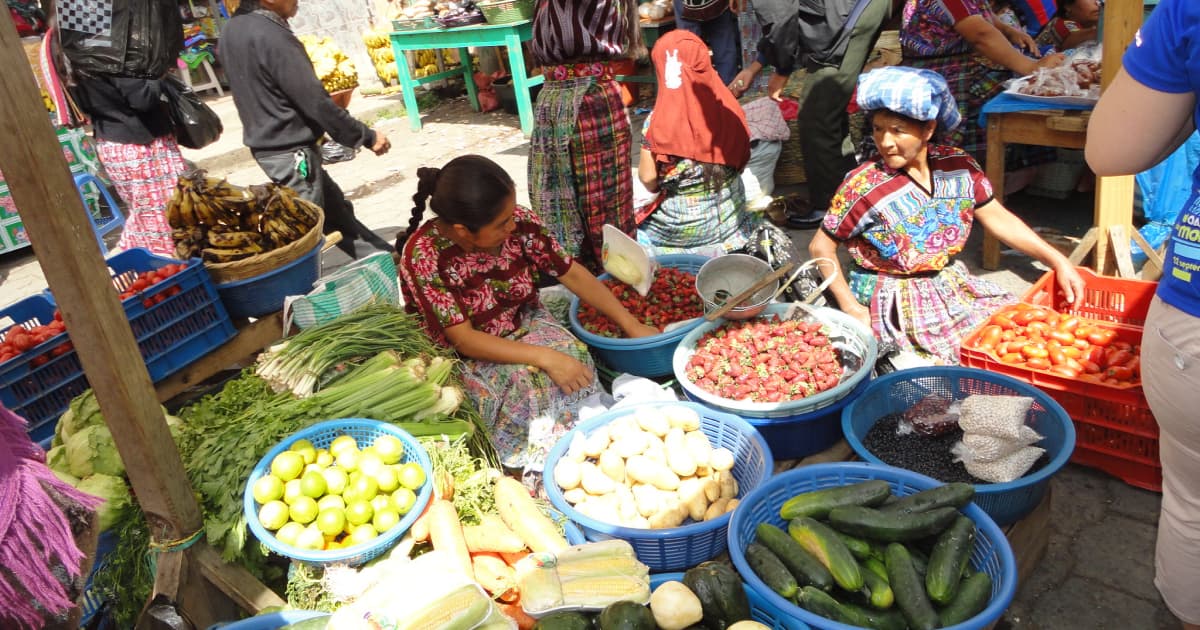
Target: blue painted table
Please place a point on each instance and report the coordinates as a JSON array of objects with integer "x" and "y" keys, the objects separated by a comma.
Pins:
[{"x": 508, "y": 35}]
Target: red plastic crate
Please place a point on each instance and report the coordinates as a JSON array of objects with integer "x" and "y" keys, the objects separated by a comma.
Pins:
[{"x": 1115, "y": 429}]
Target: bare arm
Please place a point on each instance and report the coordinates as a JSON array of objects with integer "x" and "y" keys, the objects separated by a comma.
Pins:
[
  {"x": 582, "y": 283},
  {"x": 1013, "y": 231},
  {"x": 566, "y": 371},
  {"x": 990, "y": 42},
  {"x": 648, "y": 170},
  {"x": 823, "y": 246},
  {"x": 1123, "y": 114}
]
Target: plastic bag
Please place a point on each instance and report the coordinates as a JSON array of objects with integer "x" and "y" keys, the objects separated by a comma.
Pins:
[
  {"x": 371, "y": 280},
  {"x": 627, "y": 261},
  {"x": 196, "y": 124},
  {"x": 933, "y": 415},
  {"x": 985, "y": 448},
  {"x": 997, "y": 416},
  {"x": 332, "y": 153},
  {"x": 1007, "y": 468}
]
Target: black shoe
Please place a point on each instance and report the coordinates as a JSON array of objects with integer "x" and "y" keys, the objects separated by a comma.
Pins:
[{"x": 806, "y": 221}]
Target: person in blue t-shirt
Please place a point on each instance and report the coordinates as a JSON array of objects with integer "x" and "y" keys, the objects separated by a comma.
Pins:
[{"x": 1154, "y": 100}]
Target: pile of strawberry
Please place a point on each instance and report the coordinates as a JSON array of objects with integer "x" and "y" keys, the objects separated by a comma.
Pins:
[
  {"x": 765, "y": 360},
  {"x": 19, "y": 340},
  {"x": 671, "y": 298}
]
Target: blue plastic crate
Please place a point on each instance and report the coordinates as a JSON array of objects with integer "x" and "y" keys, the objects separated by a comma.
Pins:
[
  {"x": 991, "y": 554},
  {"x": 678, "y": 547},
  {"x": 897, "y": 392},
  {"x": 40, "y": 393},
  {"x": 645, "y": 356}
]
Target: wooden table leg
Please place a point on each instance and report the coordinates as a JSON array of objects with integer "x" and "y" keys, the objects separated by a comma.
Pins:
[
  {"x": 995, "y": 174},
  {"x": 408, "y": 88},
  {"x": 520, "y": 81},
  {"x": 464, "y": 57}
]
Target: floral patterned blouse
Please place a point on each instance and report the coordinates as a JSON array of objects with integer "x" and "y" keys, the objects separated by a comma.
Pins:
[
  {"x": 448, "y": 286},
  {"x": 892, "y": 225},
  {"x": 927, "y": 29}
]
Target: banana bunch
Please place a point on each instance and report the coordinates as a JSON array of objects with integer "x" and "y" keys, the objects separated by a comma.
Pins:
[
  {"x": 332, "y": 66},
  {"x": 377, "y": 38},
  {"x": 219, "y": 222}
]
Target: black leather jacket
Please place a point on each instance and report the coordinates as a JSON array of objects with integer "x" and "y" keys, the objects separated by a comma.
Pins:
[{"x": 805, "y": 33}]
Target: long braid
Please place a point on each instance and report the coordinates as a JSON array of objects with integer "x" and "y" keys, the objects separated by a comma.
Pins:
[{"x": 426, "y": 183}]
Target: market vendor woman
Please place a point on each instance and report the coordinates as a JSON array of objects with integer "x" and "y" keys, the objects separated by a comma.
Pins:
[
  {"x": 904, "y": 216},
  {"x": 470, "y": 273}
]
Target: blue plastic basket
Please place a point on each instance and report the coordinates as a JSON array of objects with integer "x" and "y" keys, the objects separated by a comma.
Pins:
[
  {"x": 807, "y": 433},
  {"x": 364, "y": 431},
  {"x": 896, "y": 392},
  {"x": 690, "y": 544},
  {"x": 40, "y": 394},
  {"x": 644, "y": 356},
  {"x": 263, "y": 294},
  {"x": 761, "y": 610},
  {"x": 991, "y": 554},
  {"x": 845, "y": 332}
]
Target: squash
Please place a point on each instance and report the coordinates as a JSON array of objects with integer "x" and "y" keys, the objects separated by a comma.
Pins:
[
  {"x": 721, "y": 595},
  {"x": 626, "y": 615}
]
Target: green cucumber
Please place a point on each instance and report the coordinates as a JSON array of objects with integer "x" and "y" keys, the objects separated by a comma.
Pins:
[
  {"x": 972, "y": 597},
  {"x": 889, "y": 526},
  {"x": 950, "y": 554},
  {"x": 771, "y": 570},
  {"x": 878, "y": 619},
  {"x": 721, "y": 594},
  {"x": 803, "y": 566},
  {"x": 823, "y": 543},
  {"x": 876, "y": 566},
  {"x": 626, "y": 616},
  {"x": 857, "y": 546},
  {"x": 880, "y": 592},
  {"x": 920, "y": 561},
  {"x": 818, "y": 602},
  {"x": 818, "y": 503},
  {"x": 567, "y": 620},
  {"x": 909, "y": 589},
  {"x": 955, "y": 495}
]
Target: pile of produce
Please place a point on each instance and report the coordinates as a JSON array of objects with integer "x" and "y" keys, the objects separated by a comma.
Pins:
[
  {"x": 672, "y": 298},
  {"x": 765, "y": 360},
  {"x": 379, "y": 48},
  {"x": 652, "y": 469},
  {"x": 219, "y": 222},
  {"x": 413, "y": 10},
  {"x": 1040, "y": 338},
  {"x": 333, "y": 67},
  {"x": 860, "y": 556},
  {"x": 19, "y": 340}
]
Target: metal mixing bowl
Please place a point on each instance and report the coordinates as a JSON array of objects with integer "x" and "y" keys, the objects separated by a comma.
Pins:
[{"x": 726, "y": 276}]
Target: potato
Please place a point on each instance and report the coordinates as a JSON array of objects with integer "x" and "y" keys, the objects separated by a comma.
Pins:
[
  {"x": 678, "y": 458},
  {"x": 612, "y": 465},
  {"x": 652, "y": 421},
  {"x": 567, "y": 474},
  {"x": 716, "y": 509},
  {"x": 648, "y": 499},
  {"x": 575, "y": 452},
  {"x": 729, "y": 485},
  {"x": 645, "y": 470},
  {"x": 675, "y": 606},
  {"x": 596, "y": 442},
  {"x": 595, "y": 482},
  {"x": 721, "y": 459},
  {"x": 626, "y": 506},
  {"x": 732, "y": 504},
  {"x": 699, "y": 446},
  {"x": 712, "y": 489},
  {"x": 691, "y": 495},
  {"x": 631, "y": 443},
  {"x": 575, "y": 495},
  {"x": 685, "y": 418},
  {"x": 655, "y": 449}
]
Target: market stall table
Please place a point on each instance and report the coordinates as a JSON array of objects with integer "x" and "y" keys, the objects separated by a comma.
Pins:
[{"x": 508, "y": 35}]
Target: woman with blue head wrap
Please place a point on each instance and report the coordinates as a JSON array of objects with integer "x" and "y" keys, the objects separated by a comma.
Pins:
[{"x": 904, "y": 216}]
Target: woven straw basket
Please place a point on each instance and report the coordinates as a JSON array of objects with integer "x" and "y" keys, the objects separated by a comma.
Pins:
[
  {"x": 267, "y": 261},
  {"x": 789, "y": 169}
]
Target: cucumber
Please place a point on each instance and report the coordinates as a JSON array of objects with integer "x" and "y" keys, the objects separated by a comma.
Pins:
[
  {"x": 950, "y": 555},
  {"x": 973, "y": 596},
  {"x": 955, "y": 494},
  {"x": 803, "y": 566},
  {"x": 857, "y": 546},
  {"x": 818, "y": 503},
  {"x": 821, "y": 603},
  {"x": 821, "y": 541},
  {"x": 567, "y": 620},
  {"x": 880, "y": 593},
  {"x": 909, "y": 589},
  {"x": 875, "y": 565},
  {"x": 771, "y": 570},
  {"x": 879, "y": 619},
  {"x": 920, "y": 561},
  {"x": 626, "y": 616},
  {"x": 889, "y": 526}
]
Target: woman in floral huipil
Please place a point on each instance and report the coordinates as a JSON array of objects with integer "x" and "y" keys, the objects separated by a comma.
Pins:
[{"x": 470, "y": 272}]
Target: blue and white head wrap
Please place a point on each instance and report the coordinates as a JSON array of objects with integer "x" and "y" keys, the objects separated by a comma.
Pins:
[{"x": 917, "y": 93}]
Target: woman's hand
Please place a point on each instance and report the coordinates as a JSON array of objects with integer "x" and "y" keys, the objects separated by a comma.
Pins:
[
  {"x": 1069, "y": 281},
  {"x": 1021, "y": 40},
  {"x": 638, "y": 329},
  {"x": 1053, "y": 60},
  {"x": 745, "y": 79},
  {"x": 776, "y": 84},
  {"x": 569, "y": 373}
]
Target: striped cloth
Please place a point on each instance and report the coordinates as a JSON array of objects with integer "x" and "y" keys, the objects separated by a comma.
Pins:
[
  {"x": 916, "y": 93},
  {"x": 144, "y": 176},
  {"x": 569, "y": 30}
]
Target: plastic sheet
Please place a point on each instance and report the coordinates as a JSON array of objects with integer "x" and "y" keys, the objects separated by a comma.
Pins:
[{"x": 1165, "y": 188}]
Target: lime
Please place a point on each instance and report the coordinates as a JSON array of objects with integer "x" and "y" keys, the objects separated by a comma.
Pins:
[
  {"x": 385, "y": 520},
  {"x": 303, "y": 510},
  {"x": 389, "y": 448},
  {"x": 324, "y": 458},
  {"x": 359, "y": 512},
  {"x": 311, "y": 538},
  {"x": 287, "y": 465},
  {"x": 335, "y": 480},
  {"x": 369, "y": 464},
  {"x": 273, "y": 514},
  {"x": 306, "y": 450},
  {"x": 331, "y": 521},
  {"x": 347, "y": 459},
  {"x": 361, "y": 534},
  {"x": 289, "y": 533},
  {"x": 341, "y": 443},
  {"x": 412, "y": 476},
  {"x": 312, "y": 484},
  {"x": 403, "y": 500},
  {"x": 291, "y": 490},
  {"x": 331, "y": 501},
  {"x": 387, "y": 479},
  {"x": 364, "y": 488},
  {"x": 381, "y": 502},
  {"x": 268, "y": 488}
]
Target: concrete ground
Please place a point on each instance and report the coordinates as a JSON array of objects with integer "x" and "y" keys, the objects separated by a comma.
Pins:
[{"x": 1098, "y": 570}]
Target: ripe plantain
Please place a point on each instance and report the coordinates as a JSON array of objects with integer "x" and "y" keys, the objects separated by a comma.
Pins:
[
  {"x": 231, "y": 254},
  {"x": 233, "y": 240},
  {"x": 187, "y": 214}
]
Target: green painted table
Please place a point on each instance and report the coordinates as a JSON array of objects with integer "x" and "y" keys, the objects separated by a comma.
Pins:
[{"x": 508, "y": 35}]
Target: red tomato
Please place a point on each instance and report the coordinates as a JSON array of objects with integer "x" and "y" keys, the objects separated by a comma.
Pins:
[
  {"x": 1012, "y": 357},
  {"x": 1034, "y": 351},
  {"x": 1063, "y": 370},
  {"x": 1003, "y": 321},
  {"x": 39, "y": 360},
  {"x": 1038, "y": 364},
  {"x": 1102, "y": 337},
  {"x": 1119, "y": 372},
  {"x": 1068, "y": 324},
  {"x": 990, "y": 335},
  {"x": 1026, "y": 317}
]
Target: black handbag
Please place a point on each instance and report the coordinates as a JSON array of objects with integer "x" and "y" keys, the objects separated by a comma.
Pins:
[
  {"x": 702, "y": 10},
  {"x": 196, "y": 124}
]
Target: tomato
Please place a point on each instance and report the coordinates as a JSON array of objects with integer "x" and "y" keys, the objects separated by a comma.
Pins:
[
  {"x": 1090, "y": 367},
  {"x": 1011, "y": 357},
  {"x": 1038, "y": 364},
  {"x": 1003, "y": 321},
  {"x": 1063, "y": 337},
  {"x": 57, "y": 315},
  {"x": 22, "y": 341},
  {"x": 1057, "y": 357},
  {"x": 1115, "y": 357},
  {"x": 39, "y": 360},
  {"x": 1038, "y": 328},
  {"x": 990, "y": 336},
  {"x": 1082, "y": 343},
  {"x": 1063, "y": 370},
  {"x": 1026, "y": 317},
  {"x": 1072, "y": 352},
  {"x": 1034, "y": 351},
  {"x": 1096, "y": 355},
  {"x": 1119, "y": 372},
  {"x": 1102, "y": 337},
  {"x": 1068, "y": 324}
]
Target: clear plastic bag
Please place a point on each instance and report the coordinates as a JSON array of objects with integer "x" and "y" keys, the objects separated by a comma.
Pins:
[{"x": 996, "y": 416}]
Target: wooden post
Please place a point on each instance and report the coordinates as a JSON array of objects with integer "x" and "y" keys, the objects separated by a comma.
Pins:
[
  {"x": 57, "y": 223},
  {"x": 1114, "y": 195}
]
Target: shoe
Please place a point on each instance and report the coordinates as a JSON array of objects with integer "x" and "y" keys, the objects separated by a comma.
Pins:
[{"x": 807, "y": 221}]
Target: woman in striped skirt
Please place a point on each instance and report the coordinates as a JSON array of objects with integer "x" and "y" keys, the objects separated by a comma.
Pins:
[{"x": 580, "y": 166}]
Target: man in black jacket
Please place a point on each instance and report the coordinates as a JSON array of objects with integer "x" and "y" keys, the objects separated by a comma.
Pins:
[
  {"x": 284, "y": 111},
  {"x": 831, "y": 39}
]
